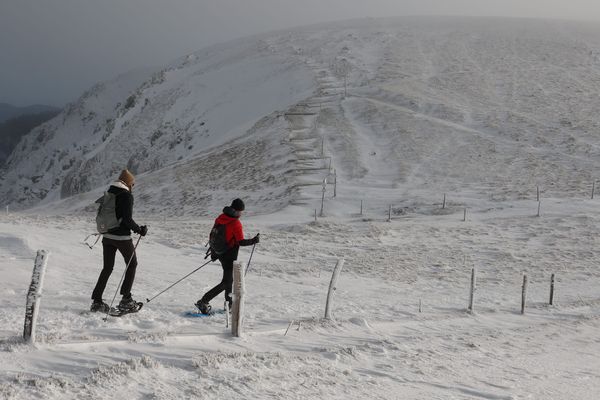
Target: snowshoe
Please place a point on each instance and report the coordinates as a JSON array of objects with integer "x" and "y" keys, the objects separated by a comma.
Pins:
[
  {"x": 119, "y": 312},
  {"x": 203, "y": 307},
  {"x": 99, "y": 306},
  {"x": 126, "y": 306}
]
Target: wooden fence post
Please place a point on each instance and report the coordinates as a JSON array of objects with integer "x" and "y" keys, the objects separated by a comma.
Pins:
[
  {"x": 323, "y": 196},
  {"x": 361, "y": 207},
  {"x": 332, "y": 287},
  {"x": 444, "y": 203},
  {"x": 539, "y": 206},
  {"x": 524, "y": 294},
  {"x": 334, "y": 182},
  {"x": 472, "y": 291},
  {"x": 34, "y": 295},
  {"x": 593, "y": 189},
  {"x": 465, "y": 215},
  {"x": 538, "y": 193},
  {"x": 237, "y": 314},
  {"x": 552, "y": 290}
]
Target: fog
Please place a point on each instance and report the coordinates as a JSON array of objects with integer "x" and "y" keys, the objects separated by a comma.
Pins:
[{"x": 51, "y": 51}]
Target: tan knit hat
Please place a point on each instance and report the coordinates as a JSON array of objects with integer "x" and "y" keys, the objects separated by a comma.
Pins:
[{"x": 127, "y": 178}]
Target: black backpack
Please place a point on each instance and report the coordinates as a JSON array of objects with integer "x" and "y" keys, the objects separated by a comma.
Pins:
[{"x": 216, "y": 241}]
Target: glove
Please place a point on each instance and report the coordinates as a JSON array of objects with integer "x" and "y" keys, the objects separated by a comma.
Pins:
[
  {"x": 143, "y": 230},
  {"x": 256, "y": 239}
]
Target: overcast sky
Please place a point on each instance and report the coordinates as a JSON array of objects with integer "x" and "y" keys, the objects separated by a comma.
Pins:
[{"x": 52, "y": 50}]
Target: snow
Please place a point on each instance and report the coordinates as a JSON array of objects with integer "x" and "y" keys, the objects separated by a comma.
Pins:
[{"x": 482, "y": 111}]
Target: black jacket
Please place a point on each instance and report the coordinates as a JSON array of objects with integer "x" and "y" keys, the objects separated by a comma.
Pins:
[{"x": 124, "y": 211}]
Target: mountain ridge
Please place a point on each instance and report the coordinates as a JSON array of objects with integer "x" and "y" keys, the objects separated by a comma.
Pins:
[{"x": 410, "y": 105}]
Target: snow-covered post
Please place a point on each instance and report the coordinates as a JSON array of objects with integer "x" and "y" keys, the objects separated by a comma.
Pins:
[
  {"x": 323, "y": 196},
  {"x": 538, "y": 193},
  {"x": 334, "y": 182},
  {"x": 472, "y": 291},
  {"x": 465, "y": 215},
  {"x": 315, "y": 215},
  {"x": 524, "y": 294},
  {"x": 323, "y": 147},
  {"x": 539, "y": 206},
  {"x": 390, "y": 214},
  {"x": 237, "y": 314},
  {"x": 34, "y": 295},
  {"x": 552, "y": 290},
  {"x": 332, "y": 288},
  {"x": 593, "y": 189},
  {"x": 6, "y": 210},
  {"x": 361, "y": 207}
]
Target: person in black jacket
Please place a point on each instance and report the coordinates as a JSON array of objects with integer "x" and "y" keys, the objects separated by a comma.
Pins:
[{"x": 119, "y": 238}]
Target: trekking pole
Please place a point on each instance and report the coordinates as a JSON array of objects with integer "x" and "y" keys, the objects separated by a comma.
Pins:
[
  {"x": 250, "y": 259},
  {"x": 122, "y": 277},
  {"x": 149, "y": 300}
]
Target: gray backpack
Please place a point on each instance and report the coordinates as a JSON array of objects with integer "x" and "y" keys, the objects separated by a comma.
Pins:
[{"x": 106, "y": 218}]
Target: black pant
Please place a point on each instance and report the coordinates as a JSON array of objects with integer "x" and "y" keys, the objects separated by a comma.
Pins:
[
  {"x": 109, "y": 249},
  {"x": 225, "y": 284}
]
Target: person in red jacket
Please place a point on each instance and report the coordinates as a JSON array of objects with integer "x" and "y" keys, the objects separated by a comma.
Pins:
[{"x": 234, "y": 238}]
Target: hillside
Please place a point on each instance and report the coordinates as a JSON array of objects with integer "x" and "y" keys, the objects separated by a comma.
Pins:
[
  {"x": 450, "y": 104},
  {"x": 432, "y": 134}
]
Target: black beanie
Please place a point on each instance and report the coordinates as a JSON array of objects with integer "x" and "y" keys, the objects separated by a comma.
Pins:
[{"x": 238, "y": 205}]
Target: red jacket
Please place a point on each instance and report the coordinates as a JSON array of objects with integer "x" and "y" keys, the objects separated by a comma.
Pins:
[{"x": 233, "y": 231}]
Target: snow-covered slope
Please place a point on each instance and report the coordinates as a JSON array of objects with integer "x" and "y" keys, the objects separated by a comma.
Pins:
[
  {"x": 483, "y": 110},
  {"x": 489, "y": 106},
  {"x": 147, "y": 121}
]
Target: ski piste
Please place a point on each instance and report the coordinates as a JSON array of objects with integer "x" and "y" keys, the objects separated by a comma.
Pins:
[{"x": 115, "y": 312}]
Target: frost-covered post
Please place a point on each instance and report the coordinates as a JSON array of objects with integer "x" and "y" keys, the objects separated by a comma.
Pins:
[
  {"x": 323, "y": 147},
  {"x": 538, "y": 193},
  {"x": 552, "y": 290},
  {"x": 465, "y": 215},
  {"x": 332, "y": 287},
  {"x": 444, "y": 203},
  {"x": 539, "y": 206},
  {"x": 361, "y": 207},
  {"x": 315, "y": 215},
  {"x": 390, "y": 214},
  {"x": 34, "y": 295},
  {"x": 237, "y": 314},
  {"x": 593, "y": 189},
  {"x": 334, "y": 182},
  {"x": 472, "y": 291},
  {"x": 323, "y": 196},
  {"x": 524, "y": 294},
  {"x": 6, "y": 210}
]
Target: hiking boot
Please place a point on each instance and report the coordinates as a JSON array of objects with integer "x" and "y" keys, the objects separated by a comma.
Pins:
[
  {"x": 127, "y": 303},
  {"x": 203, "y": 307},
  {"x": 99, "y": 306}
]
